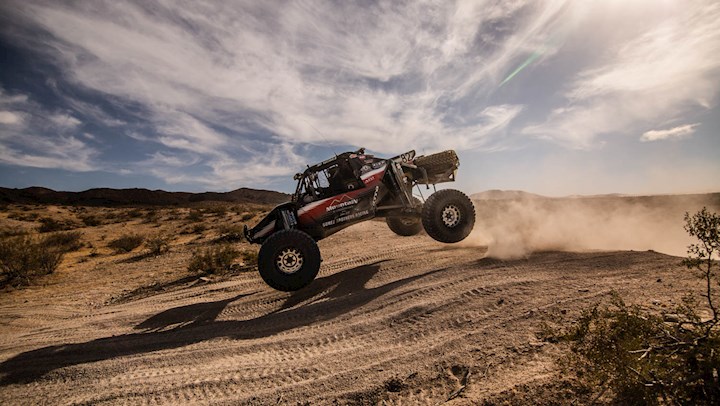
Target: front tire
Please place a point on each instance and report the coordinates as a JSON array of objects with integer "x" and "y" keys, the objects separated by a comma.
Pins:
[
  {"x": 289, "y": 260},
  {"x": 448, "y": 216}
]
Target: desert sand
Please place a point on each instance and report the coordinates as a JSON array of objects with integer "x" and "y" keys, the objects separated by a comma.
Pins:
[{"x": 399, "y": 320}]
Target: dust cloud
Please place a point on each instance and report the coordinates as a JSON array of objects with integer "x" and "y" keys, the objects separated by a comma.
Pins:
[{"x": 516, "y": 228}]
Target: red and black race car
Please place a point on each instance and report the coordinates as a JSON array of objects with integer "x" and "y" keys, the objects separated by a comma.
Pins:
[{"x": 354, "y": 187}]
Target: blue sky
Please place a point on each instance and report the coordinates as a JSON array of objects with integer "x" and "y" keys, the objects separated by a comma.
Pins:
[{"x": 552, "y": 97}]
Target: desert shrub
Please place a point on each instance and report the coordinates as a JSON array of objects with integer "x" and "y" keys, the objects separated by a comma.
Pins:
[
  {"x": 230, "y": 233},
  {"x": 198, "y": 228},
  {"x": 246, "y": 216},
  {"x": 213, "y": 260},
  {"x": 157, "y": 245},
  {"x": 126, "y": 243},
  {"x": 20, "y": 216},
  {"x": 249, "y": 257},
  {"x": 133, "y": 213},
  {"x": 640, "y": 358},
  {"x": 194, "y": 216},
  {"x": 151, "y": 216},
  {"x": 49, "y": 224},
  {"x": 24, "y": 258},
  {"x": 218, "y": 210},
  {"x": 90, "y": 220},
  {"x": 65, "y": 242},
  {"x": 11, "y": 232}
]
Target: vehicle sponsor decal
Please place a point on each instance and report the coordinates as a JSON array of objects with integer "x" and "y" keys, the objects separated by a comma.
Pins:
[
  {"x": 341, "y": 202},
  {"x": 312, "y": 205},
  {"x": 372, "y": 175},
  {"x": 344, "y": 219}
]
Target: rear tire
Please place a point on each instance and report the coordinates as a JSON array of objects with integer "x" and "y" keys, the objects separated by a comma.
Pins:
[
  {"x": 404, "y": 226},
  {"x": 448, "y": 216},
  {"x": 289, "y": 260}
]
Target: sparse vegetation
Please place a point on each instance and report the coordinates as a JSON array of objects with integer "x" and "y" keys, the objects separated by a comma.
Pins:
[
  {"x": 157, "y": 245},
  {"x": 230, "y": 233},
  {"x": 90, "y": 220},
  {"x": 23, "y": 216},
  {"x": 194, "y": 216},
  {"x": 24, "y": 258},
  {"x": 249, "y": 257},
  {"x": 50, "y": 224},
  {"x": 65, "y": 242},
  {"x": 11, "y": 232},
  {"x": 151, "y": 216},
  {"x": 126, "y": 243},
  {"x": 213, "y": 260},
  {"x": 640, "y": 358}
]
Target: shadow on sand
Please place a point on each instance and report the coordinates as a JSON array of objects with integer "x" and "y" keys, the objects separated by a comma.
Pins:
[{"x": 343, "y": 292}]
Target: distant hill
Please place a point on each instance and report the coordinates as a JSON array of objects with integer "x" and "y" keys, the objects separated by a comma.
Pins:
[
  {"x": 496, "y": 194},
  {"x": 127, "y": 197}
]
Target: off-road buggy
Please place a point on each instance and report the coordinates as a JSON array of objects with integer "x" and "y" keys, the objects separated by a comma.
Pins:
[{"x": 354, "y": 187}]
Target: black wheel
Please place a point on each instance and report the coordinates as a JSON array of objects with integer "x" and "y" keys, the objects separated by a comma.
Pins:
[
  {"x": 289, "y": 260},
  {"x": 448, "y": 216},
  {"x": 404, "y": 226}
]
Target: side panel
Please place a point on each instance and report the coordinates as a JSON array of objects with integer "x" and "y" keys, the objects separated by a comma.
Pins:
[
  {"x": 269, "y": 224},
  {"x": 327, "y": 216}
]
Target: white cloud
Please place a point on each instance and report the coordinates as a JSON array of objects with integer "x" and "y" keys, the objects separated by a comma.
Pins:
[
  {"x": 655, "y": 77},
  {"x": 37, "y": 137},
  {"x": 64, "y": 121},
  {"x": 386, "y": 77},
  {"x": 675, "y": 132},
  {"x": 10, "y": 118},
  {"x": 59, "y": 153}
]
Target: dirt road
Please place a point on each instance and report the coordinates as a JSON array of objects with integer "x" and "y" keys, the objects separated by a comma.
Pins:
[{"x": 404, "y": 320}]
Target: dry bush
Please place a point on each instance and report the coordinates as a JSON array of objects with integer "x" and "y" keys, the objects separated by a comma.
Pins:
[
  {"x": 126, "y": 243},
  {"x": 249, "y": 257},
  {"x": 213, "y": 260},
  {"x": 65, "y": 242},
  {"x": 90, "y": 220},
  {"x": 23, "y": 216},
  {"x": 11, "y": 232},
  {"x": 246, "y": 216},
  {"x": 49, "y": 224},
  {"x": 194, "y": 216},
  {"x": 133, "y": 214},
  {"x": 230, "y": 233},
  {"x": 151, "y": 216},
  {"x": 639, "y": 358},
  {"x": 218, "y": 210},
  {"x": 157, "y": 245},
  {"x": 24, "y": 258}
]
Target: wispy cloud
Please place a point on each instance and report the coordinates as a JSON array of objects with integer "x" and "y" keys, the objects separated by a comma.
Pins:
[
  {"x": 652, "y": 79},
  {"x": 224, "y": 79},
  {"x": 681, "y": 131},
  {"x": 223, "y": 94},
  {"x": 32, "y": 136}
]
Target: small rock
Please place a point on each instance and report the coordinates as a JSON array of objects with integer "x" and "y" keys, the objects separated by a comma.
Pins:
[
  {"x": 658, "y": 280},
  {"x": 563, "y": 311},
  {"x": 500, "y": 301},
  {"x": 671, "y": 317}
]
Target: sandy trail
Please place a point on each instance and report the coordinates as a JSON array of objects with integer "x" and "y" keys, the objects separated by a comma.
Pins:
[{"x": 404, "y": 320}]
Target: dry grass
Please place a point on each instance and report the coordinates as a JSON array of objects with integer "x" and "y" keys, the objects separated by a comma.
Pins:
[{"x": 90, "y": 237}]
